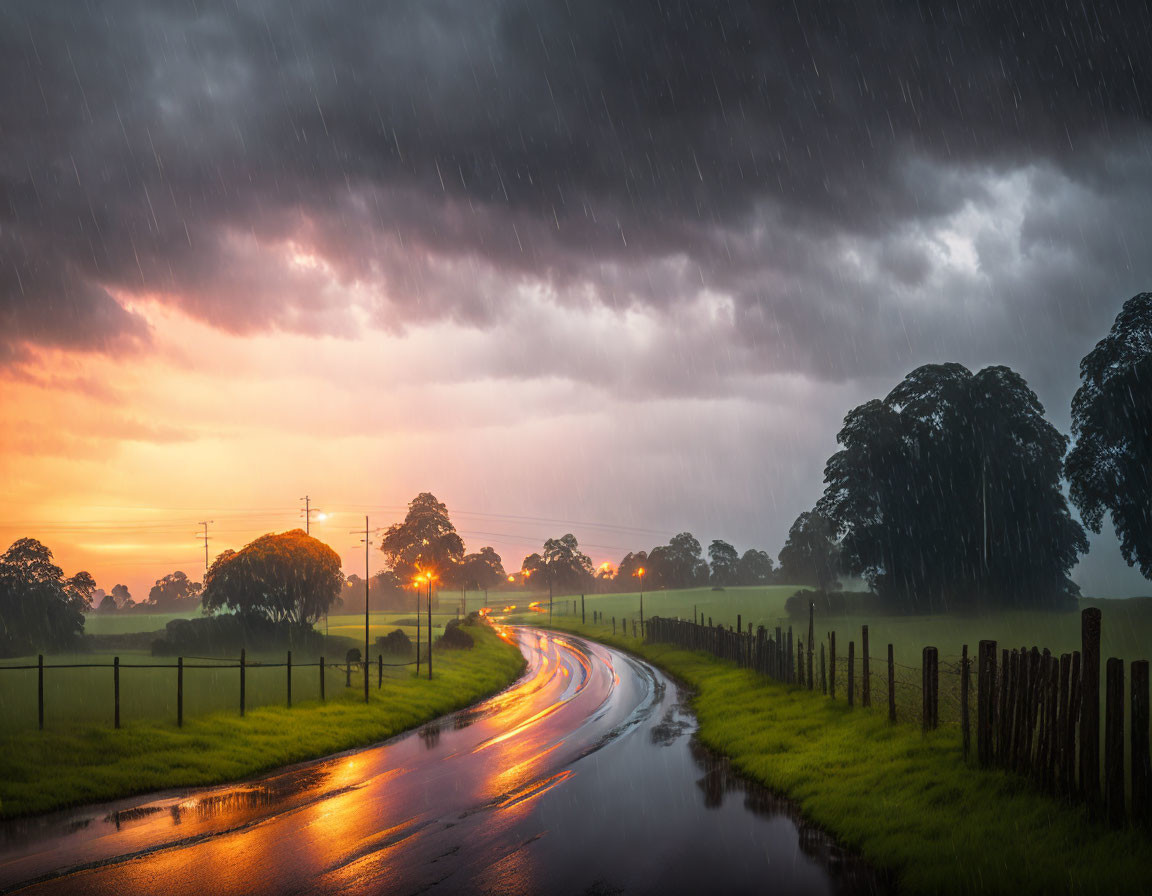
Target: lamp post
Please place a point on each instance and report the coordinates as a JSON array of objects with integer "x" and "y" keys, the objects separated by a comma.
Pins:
[
  {"x": 640, "y": 574},
  {"x": 416, "y": 587},
  {"x": 430, "y": 578}
]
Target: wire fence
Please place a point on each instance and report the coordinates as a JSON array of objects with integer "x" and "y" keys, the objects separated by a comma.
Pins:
[
  {"x": 59, "y": 692},
  {"x": 1031, "y": 712}
]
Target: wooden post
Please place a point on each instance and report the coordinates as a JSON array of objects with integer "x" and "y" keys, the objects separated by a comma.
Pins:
[
  {"x": 180, "y": 692},
  {"x": 40, "y": 689},
  {"x": 928, "y": 687},
  {"x": 811, "y": 641},
  {"x": 823, "y": 672},
  {"x": 1073, "y": 724},
  {"x": 429, "y": 641},
  {"x": 242, "y": 670},
  {"x": 965, "y": 732},
  {"x": 891, "y": 685},
  {"x": 985, "y": 701},
  {"x": 116, "y": 687},
  {"x": 321, "y": 679},
  {"x": 739, "y": 623},
  {"x": 790, "y": 666},
  {"x": 289, "y": 667},
  {"x": 1090, "y": 705},
  {"x": 1141, "y": 766},
  {"x": 1114, "y": 742},
  {"x": 832, "y": 665},
  {"x": 1003, "y": 721},
  {"x": 613, "y": 625},
  {"x": 1061, "y": 726},
  {"x": 865, "y": 683},
  {"x": 582, "y": 619},
  {"x": 379, "y": 671},
  {"x": 851, "y": 672}
]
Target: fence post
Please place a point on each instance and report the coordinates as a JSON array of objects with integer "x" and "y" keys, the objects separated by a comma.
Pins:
[
  {"x": 891, "y": 685},
  {"x": 289, "y": 679},
  {"x": 180, "y": 692},
  {"x": 851, "y": 672},
  {"x": 379, "y": 671},
  {"x": 1003, "y": 720},
  {"x": 582, "y": 618},
  {"x": 832, "y": 665},
  {"x": 966, "y": 733},
  {"x": 790, "y": 666},
  {"x": 739, "y": 623},
  {"x": 1060, "y": 729},
  {"x": 865, "y": 684},
  {"x": 613, "y": 625},
  {"x": 928, "y": 688},
  {"x": 1141, "y": 765},
  {"x": 1090, "y": 706},
  {"x": 811, "y": 641},
  {"x": 1073, "y": 721},
  {"x": 321, "y": 679},
  {"x": 242, "y": 670},
  {"x": 985, "y": 700},
  {"x": 1114, "y": 742},
  {"x": 40, "y": 689},
  {"x": 823, "y": 672},
  {"x": 116, "y": 687}
]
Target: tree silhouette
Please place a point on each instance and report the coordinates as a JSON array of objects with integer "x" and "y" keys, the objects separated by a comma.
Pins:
[
  {"x": 426, "y": 540},
  {"x": 947, "y": 493},
  {"x": 810, "y": 556},
  {"x": 1110, "y": 467},
  {"x": 755, "y": 568},
  {"x": 725, "y": 563},
  {"x": 39, "y": 607}
]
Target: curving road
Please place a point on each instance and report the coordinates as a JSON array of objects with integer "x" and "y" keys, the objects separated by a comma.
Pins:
[{"x": 582, "y": 777}]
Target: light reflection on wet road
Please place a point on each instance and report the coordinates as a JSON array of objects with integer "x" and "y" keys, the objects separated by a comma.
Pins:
[{"x": 581, "y": 778}]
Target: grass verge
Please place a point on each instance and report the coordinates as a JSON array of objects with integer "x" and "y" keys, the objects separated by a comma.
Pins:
[
  {"x": 43, "y": 770},
  {"x": 904, "y": 800}
]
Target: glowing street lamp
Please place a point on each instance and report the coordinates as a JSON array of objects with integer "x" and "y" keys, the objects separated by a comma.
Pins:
[{"x": 640, "y": 574}]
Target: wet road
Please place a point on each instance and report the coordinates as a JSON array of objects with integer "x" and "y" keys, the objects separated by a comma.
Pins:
[{"x": 583, "y": 777}]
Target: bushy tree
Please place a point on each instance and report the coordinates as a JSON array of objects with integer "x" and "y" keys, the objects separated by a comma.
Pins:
[
  {"x": 625, "y": 578},
  {"x": 174, "y": 593},
  {"x": 290, "y": 577},
  {"x": 755, "y": 568},
  {"x": 39, "y": 607},
  {"x": 678, "y": 564},
  {"x": 725, "y": 563},
  {"x": 810, "y": 556},
  {"x": 481, "y": 570},
  {"x": 561, "y": 566},
  {"x": 1110, "y": 467},
  {"x": 123, "y": 597},
  {"x": 947, "y": 493},
  {"x": 426, "y": 540}
]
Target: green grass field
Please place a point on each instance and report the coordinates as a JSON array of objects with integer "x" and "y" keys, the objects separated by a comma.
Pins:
[
  {"x": 1127, "y": 624},
  {"x": 78, "y": 763},
  {"x": 85, "y": 696},
  {"x": 903, "y": 799}
]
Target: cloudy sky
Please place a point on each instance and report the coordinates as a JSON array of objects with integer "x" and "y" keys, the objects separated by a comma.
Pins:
[{"x": 618, "y": 269}]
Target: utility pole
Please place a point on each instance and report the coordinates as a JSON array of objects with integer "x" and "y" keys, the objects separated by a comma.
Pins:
[
  {"x": 205, "y": 524},
  {"x": 367, "y": 581},
  {"x": 307, "y": 514}
]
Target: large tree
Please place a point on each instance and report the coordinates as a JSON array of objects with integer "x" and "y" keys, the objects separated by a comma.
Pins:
[
  {"x": 725, "y": 563},
  {"x": 947, "y": 493},
  {"x": 810, "y": 556},
  {"x": 755, "y": 568},
  {"x": 288, "y": 577},
  {"x": 482, "y": 570},
  {"x": 174, "y": 593},
  {"x": 1110, "y": 467},
  {"x": 425, "y": 541},
  {"x": 678, "y": 564},
  {"x": 561, "y": 566},
  {"x": 625, "y": 577},
  {"x": 39, "y": 607}
]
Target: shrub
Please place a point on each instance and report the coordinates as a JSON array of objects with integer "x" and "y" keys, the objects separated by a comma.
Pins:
[
  {"x": 454, "y": 637},
  {"x": 227, "y": 633},
  {"x": 395, "y": 642}
]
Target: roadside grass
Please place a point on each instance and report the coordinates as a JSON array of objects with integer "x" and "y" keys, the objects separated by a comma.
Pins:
[
  {"x": 43, "y": 770},
  {"x": 904, "y": 800}
]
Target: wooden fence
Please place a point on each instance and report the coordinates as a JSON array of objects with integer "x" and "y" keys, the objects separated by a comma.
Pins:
[{"x": 1035, "y": 713}]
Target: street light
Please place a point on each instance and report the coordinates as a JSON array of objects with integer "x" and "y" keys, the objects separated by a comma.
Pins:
[{"x": 640, "y": 575}]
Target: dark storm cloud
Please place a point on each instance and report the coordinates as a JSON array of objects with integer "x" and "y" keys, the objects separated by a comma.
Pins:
[{"x": 239, "y": 159}]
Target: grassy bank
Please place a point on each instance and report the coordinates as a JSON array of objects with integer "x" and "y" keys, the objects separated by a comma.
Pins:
[
  {"x": 904, "y": 800},
  {"x": 42, "y": 770}
]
